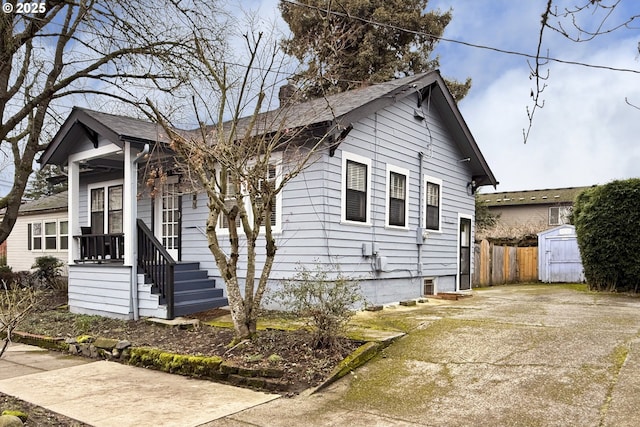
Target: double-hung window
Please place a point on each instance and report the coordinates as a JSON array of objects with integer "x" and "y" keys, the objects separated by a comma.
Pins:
[
  {"x": 48, "y": 235},
  {"x": 397, "y": 196},
  {"x": 36, "y": 236},
  {"x": 433, "y": 204},
  {"x": 233, "y": 190},
  {"x": 105, "y": 208},
  {"x": 230, "y": 200},
  {"x": 270, "y": 182},
  {"x": 559, "y": 215},
  {"x": 356, "y": 179}
]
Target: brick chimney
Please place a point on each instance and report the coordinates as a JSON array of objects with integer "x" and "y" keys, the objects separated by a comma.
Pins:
[{"x": 287, "y": 94}]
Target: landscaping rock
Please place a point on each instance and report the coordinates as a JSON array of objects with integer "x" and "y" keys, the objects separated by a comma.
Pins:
[
  {"x": 123, "y": 344},
  {"x": 409, "y": 303},
  {"x": 10, "y": 421},
  {"x": 23, "y": 416},
  {"x": 105, "y": 343}
]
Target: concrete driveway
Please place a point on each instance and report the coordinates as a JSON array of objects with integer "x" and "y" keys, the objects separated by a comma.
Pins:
[{"x": 508, "y": 356}]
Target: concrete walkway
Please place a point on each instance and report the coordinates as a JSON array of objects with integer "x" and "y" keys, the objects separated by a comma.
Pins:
[{"x": 109, "y": 394}]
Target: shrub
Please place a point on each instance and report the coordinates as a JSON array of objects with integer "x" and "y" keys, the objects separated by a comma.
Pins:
[
  {"x": 606, "y": 219},
  {"x": 49, "y": 272},
  {"x": 326, "y": 304},
  {"x": 6, "y": 275}
]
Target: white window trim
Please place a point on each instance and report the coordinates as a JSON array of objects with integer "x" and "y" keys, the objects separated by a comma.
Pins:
[
  {"x": 43, "y": 236},
  {"x": 276, "y": 160},
  {"x": 105, "y": 185},
  {"x": 343, "y": 189},
  {"x": 438, "y": 181},
  {"x": 54, "y": 235},
  {"x": 567, "y": 212},
  {"x": 60, "y": 235},
  {"x": 400, "y": 171}
]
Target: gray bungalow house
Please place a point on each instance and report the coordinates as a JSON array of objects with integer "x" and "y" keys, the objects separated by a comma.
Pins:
[{"x": 389, "y": 199}]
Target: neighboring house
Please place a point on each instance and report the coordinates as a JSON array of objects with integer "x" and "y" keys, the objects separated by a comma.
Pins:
[
  {"x": 3, "y": 253},
  {"x": 41, "y": 229},
  {"x": 390, "y": 200},
  {"x": 532, "y": 211}
]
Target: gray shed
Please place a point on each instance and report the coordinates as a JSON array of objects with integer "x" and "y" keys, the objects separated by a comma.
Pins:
[{"x": 559, "y": 256}]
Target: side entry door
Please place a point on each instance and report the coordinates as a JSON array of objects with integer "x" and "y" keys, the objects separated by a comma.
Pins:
[{"x": 464, "y": 263}]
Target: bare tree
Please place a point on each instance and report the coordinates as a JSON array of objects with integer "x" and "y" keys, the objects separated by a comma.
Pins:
[
  {"x": 242, "y": 162},
  {"x": 71, "y": 48},
  {"x": 15, "y": 304},
  {"x": 579, "y": 23}
]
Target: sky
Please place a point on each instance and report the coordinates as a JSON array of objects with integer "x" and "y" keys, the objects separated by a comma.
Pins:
[{"x": 585, "y": 134}]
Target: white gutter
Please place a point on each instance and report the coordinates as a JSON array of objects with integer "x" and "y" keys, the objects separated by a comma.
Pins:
[{"x": 134, "y": 267}]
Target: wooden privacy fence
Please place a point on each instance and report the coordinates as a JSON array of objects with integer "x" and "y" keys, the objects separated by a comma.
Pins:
[{"x": 497, "y": 264}]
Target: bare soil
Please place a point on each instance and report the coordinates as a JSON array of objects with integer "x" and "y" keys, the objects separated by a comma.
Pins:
[{"x": 289, "y": 350}]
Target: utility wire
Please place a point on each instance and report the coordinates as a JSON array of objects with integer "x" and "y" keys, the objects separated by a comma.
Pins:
[{"x": 445, "y": 39}]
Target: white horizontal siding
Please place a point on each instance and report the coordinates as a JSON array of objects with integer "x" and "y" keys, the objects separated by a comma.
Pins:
[
  {"x": 19, "y": 257},
  {"x": 109, "y": 295}
]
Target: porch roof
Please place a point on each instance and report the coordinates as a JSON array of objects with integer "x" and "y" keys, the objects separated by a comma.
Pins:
[{"x": 83, "y": 122}]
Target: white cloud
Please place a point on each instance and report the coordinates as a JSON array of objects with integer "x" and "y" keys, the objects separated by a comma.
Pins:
[{"x": 585, "y": 134}]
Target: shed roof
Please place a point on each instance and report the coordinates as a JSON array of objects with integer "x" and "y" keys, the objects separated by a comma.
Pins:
[{"x": 532, "y": 197}]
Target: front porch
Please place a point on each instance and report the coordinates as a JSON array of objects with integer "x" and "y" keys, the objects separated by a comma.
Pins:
[{"x": 124, "y": 256}]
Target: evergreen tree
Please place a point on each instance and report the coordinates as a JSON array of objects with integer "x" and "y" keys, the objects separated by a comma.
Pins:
[
  {"x": 45, "y": 182},
  {"x": 343, "y": 47}
]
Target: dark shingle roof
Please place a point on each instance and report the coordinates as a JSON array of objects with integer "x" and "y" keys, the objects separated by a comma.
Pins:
[
  {"x": 335, "y": 107},
  {"x": 55, "y": 202},
  {"x": 128, "y": 127},
  {"x": 531, "y": 197}
]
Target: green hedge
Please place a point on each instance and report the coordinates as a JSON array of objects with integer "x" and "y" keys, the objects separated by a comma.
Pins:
[{"x": 607, "y": 220}]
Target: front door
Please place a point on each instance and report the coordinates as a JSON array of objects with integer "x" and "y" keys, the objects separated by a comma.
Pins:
[
  {"x": 465, "y": 254},
  {"x": 167, "y": 217}
]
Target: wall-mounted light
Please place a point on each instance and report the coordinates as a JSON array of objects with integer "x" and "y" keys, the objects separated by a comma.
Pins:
[{"x": 472, "y": 186}]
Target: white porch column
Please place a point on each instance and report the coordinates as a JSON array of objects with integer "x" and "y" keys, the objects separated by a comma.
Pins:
[
  {"x": 74, "y": 210},
  {"x": 130, "y": 205}
]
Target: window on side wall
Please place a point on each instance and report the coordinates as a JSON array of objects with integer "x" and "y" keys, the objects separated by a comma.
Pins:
[
  {"x": 50, "y": 236},
  {"x": 34, "y": 236},
  {"x": 433, "y": 204},
  {"x": 356, "y": 183},
  {"x": 64, "y": 235},
  {"x": 559, "y": 215},
  {"x": 397, "y": 196},
  {"x": 231, "y": 198}
]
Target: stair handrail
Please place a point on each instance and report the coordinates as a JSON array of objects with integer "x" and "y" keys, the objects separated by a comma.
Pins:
[{"x": 157, "y": 263}]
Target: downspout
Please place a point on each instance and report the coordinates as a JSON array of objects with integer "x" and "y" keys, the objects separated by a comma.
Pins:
[
  {"x": 419, "y": 231},
  {"x": 134, "y": 277}
]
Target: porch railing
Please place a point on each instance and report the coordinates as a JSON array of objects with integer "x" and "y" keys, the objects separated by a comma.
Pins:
[
  {"x": 155, "y": 262},
  {"x": 99, "y": 248}
]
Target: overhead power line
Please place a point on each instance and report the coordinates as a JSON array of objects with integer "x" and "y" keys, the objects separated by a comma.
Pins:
[{"x": 445, "y": 39}]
